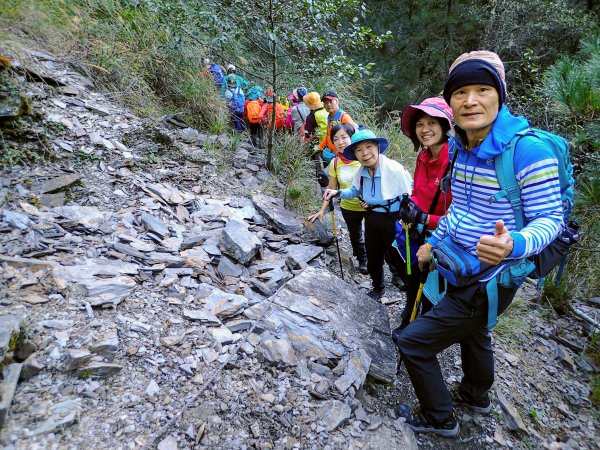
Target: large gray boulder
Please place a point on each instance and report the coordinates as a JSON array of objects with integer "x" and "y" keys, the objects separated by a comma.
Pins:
[
  {"x": 326, "y": 319},
  {"x": 239, "y": 242},
  {"x": 284, "y": 221}
]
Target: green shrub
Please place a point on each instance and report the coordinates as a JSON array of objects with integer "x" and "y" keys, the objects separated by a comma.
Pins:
[{"x": 296, "y": 172}]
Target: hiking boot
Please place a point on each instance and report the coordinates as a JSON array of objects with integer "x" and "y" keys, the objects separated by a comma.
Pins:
[
  {"x": 482, "y": 405},
  {"x": 397, "y": 281},
  {"x": 375, "y": 294},
  {"x": 418, "y": 423},
  {"x": 362, "y": 268}
]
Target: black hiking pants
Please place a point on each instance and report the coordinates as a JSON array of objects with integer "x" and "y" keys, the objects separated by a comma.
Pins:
[
  {"x": 354, "y": 222},
  {"x": 461, "y": 317},
  {"x": 256, "y": 134},
  {"x": 380, "y": 232}
]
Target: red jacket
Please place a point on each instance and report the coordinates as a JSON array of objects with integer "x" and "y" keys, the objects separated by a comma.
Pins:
[{"x": 428, "y": 175}]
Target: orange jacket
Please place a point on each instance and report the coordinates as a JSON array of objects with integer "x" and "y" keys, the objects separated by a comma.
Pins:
[
  {"x": 266, "y": 115},
  {"x": 343, "y": 118}
]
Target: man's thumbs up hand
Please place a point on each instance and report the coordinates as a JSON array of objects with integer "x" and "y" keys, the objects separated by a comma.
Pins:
[{"x": 493, "y": 249}]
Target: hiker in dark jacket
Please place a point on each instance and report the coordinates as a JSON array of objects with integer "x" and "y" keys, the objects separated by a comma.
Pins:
[{"x": 479, "y": 235}]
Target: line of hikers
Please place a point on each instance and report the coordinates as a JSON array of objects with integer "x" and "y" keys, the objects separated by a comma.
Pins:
[
  {"x": 488, "y": 206},
  {"x": 303, "y": 113}
]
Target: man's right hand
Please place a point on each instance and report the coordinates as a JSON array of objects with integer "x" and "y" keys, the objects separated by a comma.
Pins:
[{"x": 330, "y": 193}]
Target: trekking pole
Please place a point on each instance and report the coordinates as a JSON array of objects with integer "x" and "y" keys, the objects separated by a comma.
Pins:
[
  {"x": 408, "y": 269},
  {"x": 404, "y": 203},
  {"x": 419, "y": 294},
  {"x": 335, "y": 237}
]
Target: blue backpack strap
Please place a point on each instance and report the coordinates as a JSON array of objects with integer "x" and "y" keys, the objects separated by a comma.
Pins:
[
  {"x": 507, "y": 179},
  {"x": 491, "y": 289}
]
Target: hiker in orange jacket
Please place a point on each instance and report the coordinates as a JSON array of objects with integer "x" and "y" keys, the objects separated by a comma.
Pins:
[
  {"x": 252, "y": 110},
  {"x": 331, "y": 103},
  {"x": 267, "y": 111}
]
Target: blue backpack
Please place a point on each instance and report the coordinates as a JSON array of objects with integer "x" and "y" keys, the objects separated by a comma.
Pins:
[
  {"x": 217, "y": 73},
  {"x": 237, "y": 101},
  {"x": 508, "y": 183},
  {"x": 540, "y": 265}
]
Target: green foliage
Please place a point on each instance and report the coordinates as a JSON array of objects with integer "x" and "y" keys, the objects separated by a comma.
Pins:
[
  {"x": 86, "y": 157},
  {"x": 572, "y": 87},
  {"x": 559, "y": 296},
  {"x": 429, "y": 35},
  {"x": 128, "y": 49},
  {"x": 592, "y": 350},
  {"x": 296, "y": 172},
  {"x": 595, "y": 394}
]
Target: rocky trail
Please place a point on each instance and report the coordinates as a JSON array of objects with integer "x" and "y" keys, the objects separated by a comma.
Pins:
[{"x": 152, "y": 295}]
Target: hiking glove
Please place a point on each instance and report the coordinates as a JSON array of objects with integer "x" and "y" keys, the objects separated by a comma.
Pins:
[{"x": 411, "y": 213}]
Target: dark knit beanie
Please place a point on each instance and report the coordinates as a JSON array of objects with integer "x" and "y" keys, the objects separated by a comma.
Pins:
[{"x": 479, "y": 67}]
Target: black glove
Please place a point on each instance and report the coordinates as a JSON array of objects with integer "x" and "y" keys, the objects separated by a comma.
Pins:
[{"x": 411, "y": 213}]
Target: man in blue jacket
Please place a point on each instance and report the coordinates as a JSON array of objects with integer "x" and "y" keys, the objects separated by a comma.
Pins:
[{"x": 482, "y": 234}]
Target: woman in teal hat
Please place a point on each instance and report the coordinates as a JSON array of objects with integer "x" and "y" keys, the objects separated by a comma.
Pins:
[{"x": 379, "y": 183}]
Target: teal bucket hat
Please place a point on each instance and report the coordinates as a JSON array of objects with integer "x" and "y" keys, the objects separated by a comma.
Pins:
[{"x": 364, "y": 135}]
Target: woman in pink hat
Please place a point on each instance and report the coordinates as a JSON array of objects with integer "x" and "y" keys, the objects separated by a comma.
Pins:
[{"x": 427, "y": 125}]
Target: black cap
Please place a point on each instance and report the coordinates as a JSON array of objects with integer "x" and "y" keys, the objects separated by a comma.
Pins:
[{"x": 329, "y": 95}]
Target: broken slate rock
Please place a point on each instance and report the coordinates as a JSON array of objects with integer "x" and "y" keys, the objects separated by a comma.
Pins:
[
  {"x": 239, "y": 242},
  {"x": 10, "y": 327},
  {"x": 278, "y": 352},
  {"x": 106, "y": 346},
  {"x": 389, "y": 436},
  {"x": 61, "y": 415},
  {"x": 512, "y": 416},
  {"x": 8, "y": 385},
  {"x": 317, "y": 231},
  {"x": 355, "y": 372},
  {"x": 322, "y": 316},
  {"x": 31, "y": 367},
  {"x": 87, "y": 216},
  {"x": 59, "y": 183},
  {"x": 300, "y": 254},
  {"x": 97, "y": 369},
  {"x": 196, "y": 257},
  {"x": 151, "y": 223},
  {"x": 99, "y": 281},
  {"x": 78, "y": 358},
  {"x": 17, "y": 220},
  {"x": 334, "y": 413},
  {"x": 225, "y": 304},
  {"x": 284, "y": 221},
  {"x": 201, "y": 315},
  {"x": 228, "y": 268}
]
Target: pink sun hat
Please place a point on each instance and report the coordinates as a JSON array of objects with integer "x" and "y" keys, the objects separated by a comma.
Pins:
[{"x": 433, "y": 106}]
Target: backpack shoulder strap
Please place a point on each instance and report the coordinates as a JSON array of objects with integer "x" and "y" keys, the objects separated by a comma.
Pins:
[{"x": 504, "y": 164}]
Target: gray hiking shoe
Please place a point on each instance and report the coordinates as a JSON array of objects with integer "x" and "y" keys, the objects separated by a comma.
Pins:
[
  {"x": 362, "y": 268},
  {"x": 397, "y": 281},
  {"x": 418, "y": 423},
  {"x": 482, "y": 405}
]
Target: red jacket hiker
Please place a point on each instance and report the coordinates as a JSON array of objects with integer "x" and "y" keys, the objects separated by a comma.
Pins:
[{"x": 428, "y": 175}]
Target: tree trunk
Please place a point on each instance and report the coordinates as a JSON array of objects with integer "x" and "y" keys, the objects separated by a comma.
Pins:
[{"x": 271, "y": 133}]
